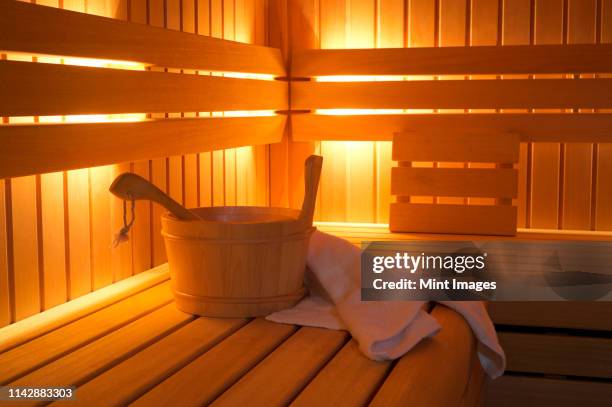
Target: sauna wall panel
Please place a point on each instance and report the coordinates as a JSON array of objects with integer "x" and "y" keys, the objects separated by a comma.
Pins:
[
  {"x": 560, "y": 184},
  {"x": 57, "y": 229},
  {"x": 5, "y": 292},
  {"x": 545, "y": 166},
  {"x": 602, "y": 181},
  {"x": 516, "y": 30},
  {"x": 577, "y": 169}
]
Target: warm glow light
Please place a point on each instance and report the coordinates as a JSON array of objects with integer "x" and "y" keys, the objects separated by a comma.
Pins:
[
  {"x": 248, "y": 113},
  {"x": 352, "y": 224},
  {"x": 105, "y": 63},
  {"x": 106, "y": 118},
  {"x": 360, "y": 78},
  {"x": 345, "y": 112},
  {"x": 126, "y": 65},
  {"x": 241, "y": 75},
  {"x": 92, "y": 62}
]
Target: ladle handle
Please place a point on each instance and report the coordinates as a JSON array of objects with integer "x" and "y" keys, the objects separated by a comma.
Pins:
[
  {"x": 312, "y": 174},
  {"x": 131, "y": 186}
]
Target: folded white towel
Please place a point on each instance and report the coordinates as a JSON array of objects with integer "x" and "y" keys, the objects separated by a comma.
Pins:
[{"x": 383, "y": 329}]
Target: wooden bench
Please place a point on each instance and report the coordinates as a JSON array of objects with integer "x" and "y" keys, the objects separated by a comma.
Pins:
[
  {"x": 558, "y": 353},
  {"x": 131, "y": 344}
]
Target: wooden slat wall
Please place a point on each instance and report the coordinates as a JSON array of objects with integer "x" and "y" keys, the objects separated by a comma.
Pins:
[
  {"x": 56, "y": 229},
  {"x": 603, "y": 152},
  {"x": 561, "y": 185}
]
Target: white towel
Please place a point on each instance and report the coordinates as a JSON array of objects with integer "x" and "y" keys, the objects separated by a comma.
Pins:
[{"x": 384, "y": 329}]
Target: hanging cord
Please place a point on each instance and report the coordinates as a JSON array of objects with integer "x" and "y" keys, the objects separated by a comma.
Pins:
[{"x": 123, "y": 235}]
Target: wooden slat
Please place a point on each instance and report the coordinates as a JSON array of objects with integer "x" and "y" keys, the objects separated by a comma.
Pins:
[
  {"x": 174, "y": 164},
  {"x": 22, "y": 360},
  {"x": 5, "y": 306},
  {"x": 543, "y": 392},
  {"x": 578, "y": 160},
  {"x": 101, "y": 226},
  {"x": 333, "y": 189},
  {"x": 87, "y": 362},
  {"x": 303, "y": 32},
  {"x": 443, "y": 218},
  {"x": 568, "y": 314},
  {"x": 206, "y": 188},
  {"x": 220, "y": 367},
  {"x": 436, "y": 145},
  {"x": 229, "y": 164},
  {"x": 246, "y": 177},
  {"x": 472, "y": 182},
  {"x": 332, "y": 193},
  {"x": 453, "y": 94},
  {"x": 370, "y": 232},
  {"x": 36, "y": 149},
  {"x": 603, "y": 183},
  {"x": 557, "y": 354},
  {"x": 190, "y": 163},
  {"x": 218, "y": 178},
  {"x": 333, "y": 23},
  {"x": 86, "y": 90},
  {"x": 360, "y": 158},
  {"x": 203, "y": 25},
  {"x": 229, "y": 156},
  {"x": 281, "y": 376},
  {"x": 484, "y": 16},
  {"x": 390, "y": 29},
  {"x": 25, "y": 273},
  {"x": 160, "y": 180},
  {"x": 152, "y": 365},
  {"x": 451, "y": 31},
  {"x": 530, "y": 127},
  {"x": 349, "y": 379},
  {"x": 422, "y": 23},
  {"x": 138, "y": 11},
  {"x": 32, "y": 29},
  {"x": 423, "y": 30},
  {"x": 278, "y": 24},
  {"x": 107, "y": 8},
  {"x": 436, "y": 371},
  {"x": 545, "y": 183},
  {"x": 40, "y": 324},
  {"x": 79, "y": 233},
  {"x": 121, "y": 256},
  {"x": 158, "y": 167},
  {"x": 141, "y": 230},
  {"x": 516, "y": 30},
  {"x": 585, "y": 58},
  {"x": 53, "y": 239}
]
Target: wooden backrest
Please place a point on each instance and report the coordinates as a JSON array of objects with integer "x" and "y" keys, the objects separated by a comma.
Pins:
[
  {"x": 499, "y": 181},
  {"x": 136, "y": 69},
  {"x": 451, "y": 146}
]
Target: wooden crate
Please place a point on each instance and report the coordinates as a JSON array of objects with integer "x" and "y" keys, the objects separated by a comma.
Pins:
[{"x": 498, "y": 181}]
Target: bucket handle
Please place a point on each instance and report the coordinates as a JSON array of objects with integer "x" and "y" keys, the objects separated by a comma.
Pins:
[{"x": 312, "y": 174}]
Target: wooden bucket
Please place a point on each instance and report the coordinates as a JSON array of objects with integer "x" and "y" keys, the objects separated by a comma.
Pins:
[{"x": 238, "y": 261}]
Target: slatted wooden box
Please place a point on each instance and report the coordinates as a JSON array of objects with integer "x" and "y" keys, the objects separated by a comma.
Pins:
[{"x": 410, "y": 180}]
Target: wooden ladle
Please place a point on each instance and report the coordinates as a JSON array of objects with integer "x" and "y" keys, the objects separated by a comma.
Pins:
[{"x": 128, "y": 186}]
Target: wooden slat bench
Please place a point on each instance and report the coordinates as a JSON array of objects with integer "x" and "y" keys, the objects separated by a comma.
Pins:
[
  {"x": 140, "y": 349},
  {"x": 127, "y": 343},
  {"x": 558, "y": 353}
]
